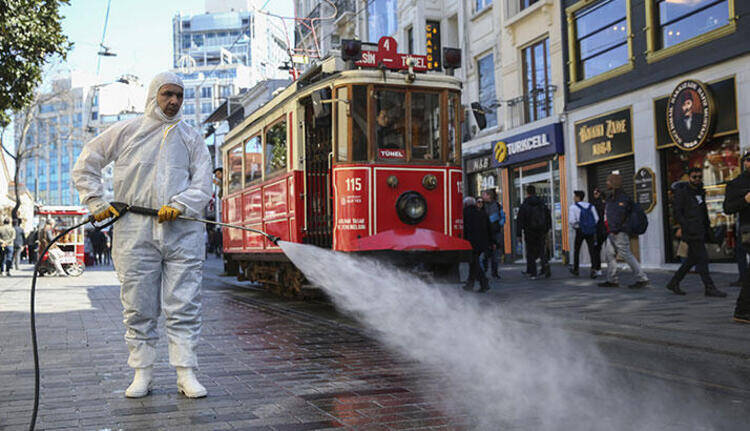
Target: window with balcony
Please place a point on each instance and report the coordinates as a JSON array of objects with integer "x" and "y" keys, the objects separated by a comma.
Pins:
[
  {"x": 537, "y": 100},
  {"x": 679, "y": 21},
  {"x": 382, "y": 18},
  {"x": 601, "y": 38},
  {"x": 487, "y": 95}
]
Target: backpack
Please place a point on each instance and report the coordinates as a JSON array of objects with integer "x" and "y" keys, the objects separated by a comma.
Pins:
[
  {"x": 586, "y": 222},
  {"x": 637, "y": 222},
  {"x": 537, "y": 218}
]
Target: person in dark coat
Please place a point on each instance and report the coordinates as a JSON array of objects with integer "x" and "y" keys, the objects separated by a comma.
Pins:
[
  {"x": 534, "y": 221},
  {"x": 597, "y": 200},
  {"x": 690, "y": 212},
  {"x": 477, "y": 232},
  {"x": 737, "y": 201}
]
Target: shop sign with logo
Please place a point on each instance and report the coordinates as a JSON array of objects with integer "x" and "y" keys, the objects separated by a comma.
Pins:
[
  {"x": 690, "y": 114},
  {"x": 645, "y": 189},
  {"x": 605, "y": 137},
  {"x": 541, "y": 142},
  {"x": 478, "y": 164}
]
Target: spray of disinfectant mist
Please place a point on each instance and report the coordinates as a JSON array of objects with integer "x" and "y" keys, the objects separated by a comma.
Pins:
[{"x": 506, "y": 371}]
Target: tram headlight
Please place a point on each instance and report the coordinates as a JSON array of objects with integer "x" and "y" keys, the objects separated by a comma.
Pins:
[{"x": 411, "y": 207}]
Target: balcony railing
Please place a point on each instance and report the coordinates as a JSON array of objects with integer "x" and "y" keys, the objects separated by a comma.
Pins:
[{"x": 533, "y": 106}]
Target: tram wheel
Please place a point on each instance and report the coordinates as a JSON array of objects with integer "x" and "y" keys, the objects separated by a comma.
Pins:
[{"x": 74, "y": 269}]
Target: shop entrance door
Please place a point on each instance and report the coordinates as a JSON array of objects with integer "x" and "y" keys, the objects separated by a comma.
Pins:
[{"x": 545, "y": 177}]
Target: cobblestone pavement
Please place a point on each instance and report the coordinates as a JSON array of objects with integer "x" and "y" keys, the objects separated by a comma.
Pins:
[{"x": 272, "y": 364}]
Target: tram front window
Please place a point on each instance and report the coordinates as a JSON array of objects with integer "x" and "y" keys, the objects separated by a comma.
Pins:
[
  {"x": 425, "y": 129},
  {"x": 390, "y": 124}
]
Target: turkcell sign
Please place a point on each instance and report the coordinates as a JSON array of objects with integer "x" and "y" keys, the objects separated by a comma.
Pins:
[{"x": 541, "y": 142}]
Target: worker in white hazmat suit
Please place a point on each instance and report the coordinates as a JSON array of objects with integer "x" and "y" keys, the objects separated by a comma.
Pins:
[{"x": 159, "y": 162}]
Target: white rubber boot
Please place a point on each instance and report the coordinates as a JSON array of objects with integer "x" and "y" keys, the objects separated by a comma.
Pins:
[
  {"x": 188, "y": 384},
  {"x": 141, "y": 385}
]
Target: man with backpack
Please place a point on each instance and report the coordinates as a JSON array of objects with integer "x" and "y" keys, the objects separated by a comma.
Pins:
[
  {"x": 583, "y": 219},
  {"x": 622, "y": 218},
  {"x": 690, "y": 212},
  {"x": 534, "y": 221},
  {"x": 497, "y": 221}
]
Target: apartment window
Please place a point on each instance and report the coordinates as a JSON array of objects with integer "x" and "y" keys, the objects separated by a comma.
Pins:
[
  {"x": 206, "y": 108},
  {"x": 225, "y": 90},
  {"x": 190, "y": 93},
  {"x": 487, "y": 97},
  {"x": 382, "y": 19},
  {"x": 536, "y": 75},
  {"x": 189, "y": 109},
  {"x": 275, "y": 159},
  {"x": 480, "y": 5},
  {"x": 680, "y": 21},
  {"x": 185, "y": 41},
  {"x": 601, "y": 38},
  {"x": 527, "y": 3},
  {"x": 206, "y": 92},
  {"x": 198, "y": 40}
]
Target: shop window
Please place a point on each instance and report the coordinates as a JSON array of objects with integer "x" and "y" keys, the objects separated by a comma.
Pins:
[
  {"x": 382, "y": 18},
  {"x": 601, "y": 38},
  {"x": 390, "y": 124},
  {"x": 720, "y": 161},
  {"x": 235, "y": 169},
  {"x": 537, "y": 99},
  {"x": 680, "y": 21},
  {"x": 359, "y": 123},
  {"x": 275, "y": 159},
  {"x": 425, "y": 130},
  {"x": 487, "y": 98},
  {"x": 253, "y": 159}
]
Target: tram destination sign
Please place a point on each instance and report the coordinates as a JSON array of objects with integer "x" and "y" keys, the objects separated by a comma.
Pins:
[
  {"x": 645, "y": 189},
  {"x": 604, "y": 137},
  {"x": 390, "y": 58}
]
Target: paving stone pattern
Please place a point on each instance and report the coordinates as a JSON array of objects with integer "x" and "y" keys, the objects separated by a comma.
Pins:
[{"x": 265, "y": 369}]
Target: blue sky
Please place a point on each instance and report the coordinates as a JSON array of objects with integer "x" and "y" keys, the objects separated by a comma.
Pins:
[{"x": 139, "y": 31}]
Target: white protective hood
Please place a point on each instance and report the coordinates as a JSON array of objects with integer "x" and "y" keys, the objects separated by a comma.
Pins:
[{"x": 153, "y": 110}]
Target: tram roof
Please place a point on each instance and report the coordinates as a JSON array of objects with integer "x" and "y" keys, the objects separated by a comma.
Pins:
[{"x": 331, "y": 71}]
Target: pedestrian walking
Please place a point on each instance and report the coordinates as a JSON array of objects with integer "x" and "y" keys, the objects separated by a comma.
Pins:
[
  {"x": 584, "y": 220},
  {"x": 496, "y": 215},
  {"x": 32, "y": 242},
  {"x": 690, "y": 212},
  {"x": 7, "y": 239},
  {"x": 737, "y": 201},
  {"x": 617, "y": 212},
  {"x": 740, "y": 255},
  {"x": 18, "y": 243},
  {"x": 534, "y": 222},
  {"x": 477, "y": 232},
  {"x": 107, "y": 247},
  {"x": 599, "y": 203}
]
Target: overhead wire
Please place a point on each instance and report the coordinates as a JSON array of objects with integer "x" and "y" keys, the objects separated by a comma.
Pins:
[{"x": 104, "y": 33}]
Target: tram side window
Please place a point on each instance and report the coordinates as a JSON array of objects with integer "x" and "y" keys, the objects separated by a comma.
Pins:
[
  {"x": 253, "y": 159},
  {"x": 453, "y": 128},
  {"x": 235, "y": 169},
  {"x": 276, "y": 148},
  {"x": 425, "y": 120},
  {"x": 390, "y": 124},
  {"x": 342, "y": 126},
  {"x": 359, "y": 123}
]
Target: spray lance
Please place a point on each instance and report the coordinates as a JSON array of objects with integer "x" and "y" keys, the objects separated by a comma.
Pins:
[{"x": 122, "y": 209}]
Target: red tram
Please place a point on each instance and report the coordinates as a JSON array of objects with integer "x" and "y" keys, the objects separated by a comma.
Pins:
[{"x": 357, "y": 160}]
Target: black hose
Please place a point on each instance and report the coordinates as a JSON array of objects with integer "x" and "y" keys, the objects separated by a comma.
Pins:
[{"x": 33, "y": 319}]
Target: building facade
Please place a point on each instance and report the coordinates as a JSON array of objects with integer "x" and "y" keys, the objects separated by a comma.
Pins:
[
  {"x": 222, "y": 51},
  {"x": 656, "y": 88}
]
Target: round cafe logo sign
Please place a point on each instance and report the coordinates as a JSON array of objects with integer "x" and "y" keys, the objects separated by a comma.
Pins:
[{"x": 690, "y": 112}]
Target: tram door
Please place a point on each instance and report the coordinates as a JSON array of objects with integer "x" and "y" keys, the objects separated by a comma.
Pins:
[{"x": 318, "y": 196}]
